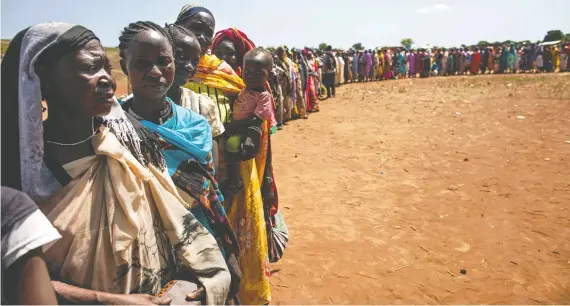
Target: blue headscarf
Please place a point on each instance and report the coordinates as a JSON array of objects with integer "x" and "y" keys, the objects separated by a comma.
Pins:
[{"x": 190, "y": 10}]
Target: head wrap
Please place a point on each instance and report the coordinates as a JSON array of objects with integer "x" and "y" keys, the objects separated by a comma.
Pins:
[
  {"x": 190, "y": 10},
  {"x": 22, "y": 155},
  {"x": 241, "y": 42},
  {"x": 23, "y": 162}
]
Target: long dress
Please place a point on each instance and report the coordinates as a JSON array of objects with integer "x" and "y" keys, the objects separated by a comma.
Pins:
[
  {"x": 412, "y": 64},
  {"x": 511, "y": 59},
  {"x": 346, "y": 68},
  {"x": 367, "y": 65},
  {"x": 462, "y": 58},
  {"x": 355, "y": 62},
  {"x": 374, "y": 72},
  {"x": 451, "y": 64},
  {"x": 401, "y": 62},
  {"x": 395, "y": 65},
  {"x": 340, "y": 69},
  {"x": 380, "y": 65},
  {"x": 337, "y": 74},
  {"x": 387, "y": 66},
  {"x": 504, "y": 63},
  {"x": 475, "y": 61},
  {"x": 312, "y": 101},
  {"x": 443, "y": 67},
  {"x": 556, "y": 58},
  {"x": 490, "y": 63},
  {"x": 418, "y": 63}
]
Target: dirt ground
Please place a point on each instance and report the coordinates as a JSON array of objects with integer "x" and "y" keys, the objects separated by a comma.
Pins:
[{"x": 396, "y": 188}]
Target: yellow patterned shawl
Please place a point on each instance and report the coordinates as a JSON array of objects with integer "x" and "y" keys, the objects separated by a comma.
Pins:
[
  {"x": 248, "y": 221},
  {"x": 215, "y": 73}
]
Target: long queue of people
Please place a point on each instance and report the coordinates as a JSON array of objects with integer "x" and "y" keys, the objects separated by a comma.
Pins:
[
  {"x": 166, "y": 195},
  {"x": 398, "y": 63}
]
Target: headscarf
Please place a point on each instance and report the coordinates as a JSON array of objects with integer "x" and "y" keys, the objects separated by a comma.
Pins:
[
  {"x": 46, "y": 43},
  {"x": 190, "y": 10},
  {"x": 241, "y": 42},
  {"x": 22, "y": 91}
]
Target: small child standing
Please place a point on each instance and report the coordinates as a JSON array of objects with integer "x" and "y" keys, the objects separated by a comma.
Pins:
[{"x": 253, "y": 106}]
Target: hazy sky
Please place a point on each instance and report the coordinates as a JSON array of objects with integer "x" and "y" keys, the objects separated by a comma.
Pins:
[{"x": 299, "y": 23}]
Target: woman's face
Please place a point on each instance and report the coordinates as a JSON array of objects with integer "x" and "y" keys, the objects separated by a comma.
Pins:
[
  {"x": 80, "y": 82},
  {"x": 226, "y": 51},
  {"x": 149, "y": 63},
  {"x": 187, "y": 57},
  {"x": 202, "y": 25}
]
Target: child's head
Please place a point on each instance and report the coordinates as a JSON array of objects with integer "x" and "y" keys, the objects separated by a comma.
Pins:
[
  {"x": 147, "y": 58},
  {"x": 187, "y": 53},
  {"x": 257, "y": 66}
]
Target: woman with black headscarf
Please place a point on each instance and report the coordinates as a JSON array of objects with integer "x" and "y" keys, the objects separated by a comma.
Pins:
[{"x": 98, "y": 175}]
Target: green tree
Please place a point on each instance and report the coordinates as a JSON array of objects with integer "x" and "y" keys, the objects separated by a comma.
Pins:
[
  {"x": 358, "y": 46},
  {"x": 407, "y": 42},
  {"x": 323, "y": 46},
  {"x": 554, "y": 35},
  {"x": 567, "y": 37},
  {"x": 483, "y": 43}
]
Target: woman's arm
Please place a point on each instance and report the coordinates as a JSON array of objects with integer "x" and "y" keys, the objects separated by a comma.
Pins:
[
  {"x": 27, "y": 281},
  {"x": 69, "y": 294}
]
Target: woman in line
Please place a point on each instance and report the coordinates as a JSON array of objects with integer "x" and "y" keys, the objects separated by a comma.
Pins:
[
  {"x": 491, "y": 60},
  {"x": 350, "y": 66},
  {"x": 215, "y": 77},
  {"x": 340, "y": 69},
  {"x": 503, "y": 62},
  {"x": 355, "y": 65},
  {"x": 204, "y": 194},
  {"x": 387, "y": 65},
  {"x": 380, "y": 73},
  {"x": 511, "y": 59},
  {"x": 451, "y": 62},
  {"x": 299, "y": 107},
  {"x": 555, "y": 59},
  {"x": 347, "y": 67},
  {"x": 402, "y": 62},
  {"x": 444, "y": 62},
  {"x": 248, "y": 204},
  {"x": 311, "y": 93},
  {"x": 186, "y": 61},
  {"x": 475, "y": 61},
  {"x": 231, "y": 45},
  {"x": 101, "y": 173}
]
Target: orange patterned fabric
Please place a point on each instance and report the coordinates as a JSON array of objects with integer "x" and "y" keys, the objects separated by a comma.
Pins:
[{"x": 215, "y": 73}]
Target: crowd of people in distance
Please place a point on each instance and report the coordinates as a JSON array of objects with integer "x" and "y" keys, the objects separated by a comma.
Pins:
[
  {"x": 168, "y": 194},
  {"x": 399, "y": 62}
]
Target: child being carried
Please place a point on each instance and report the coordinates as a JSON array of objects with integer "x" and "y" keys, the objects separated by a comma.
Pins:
[{"x": 253, "y": 106}]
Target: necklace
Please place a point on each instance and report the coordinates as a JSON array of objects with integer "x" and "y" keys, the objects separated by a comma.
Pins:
[{"x": 76, "y": 143}]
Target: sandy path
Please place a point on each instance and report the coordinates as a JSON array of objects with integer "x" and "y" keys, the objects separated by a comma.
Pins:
[{"x": 394, "y": 187}]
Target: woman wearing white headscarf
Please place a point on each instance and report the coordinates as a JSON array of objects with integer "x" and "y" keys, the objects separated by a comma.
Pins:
[{"x": 98, "y": 176}]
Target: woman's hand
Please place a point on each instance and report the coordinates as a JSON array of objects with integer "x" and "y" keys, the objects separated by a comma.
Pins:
[
  {"x": 136, "y": 299},
  {"x": 197, "y": 295}
]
